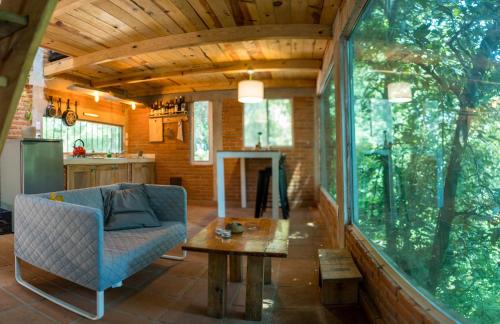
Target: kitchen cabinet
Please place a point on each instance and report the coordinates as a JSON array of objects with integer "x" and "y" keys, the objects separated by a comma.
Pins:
[
  {"x": 81, "y": 176},
  {"x": 111, "y": 173},
  {"x": 105, "y": 174},
  {"x": 84, "y": 176},
  {"x": 156, "y": 130},
  {"x": 143, "y": 172}
]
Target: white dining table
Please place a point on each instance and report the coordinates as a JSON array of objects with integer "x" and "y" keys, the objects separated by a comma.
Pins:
[{"x": 243, "y": 155}]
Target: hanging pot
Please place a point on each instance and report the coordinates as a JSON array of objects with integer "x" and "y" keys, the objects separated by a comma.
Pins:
[
  {"x": 51, "y": 110},
  {"x": 59, "y": 108},
  {"x": 79, "y": 151},
  {"x": 76, "y": 110},
  {"x": 69, "y": 116}
]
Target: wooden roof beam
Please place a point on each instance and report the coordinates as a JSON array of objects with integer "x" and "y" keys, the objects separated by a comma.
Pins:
[
  {"x": 230, "y": 85},
  {"x": 222, "y": 67},
  {"x": 198, "y": 38}
]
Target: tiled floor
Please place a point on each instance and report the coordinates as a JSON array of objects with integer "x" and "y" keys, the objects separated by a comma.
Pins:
[{"x": 175, "y": 292}]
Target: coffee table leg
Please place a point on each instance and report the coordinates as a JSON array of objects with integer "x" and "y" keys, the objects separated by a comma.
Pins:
[
  {"x": 217, "y": 284},
  {"x": 235, "y": 268},
  {"x": 267, "y": 271},
  {"x": 255, "y": 275}
]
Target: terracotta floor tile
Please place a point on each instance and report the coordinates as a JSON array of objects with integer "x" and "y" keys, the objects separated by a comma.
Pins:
[
  {"x": 170, "y": 291},
  {"x": 7, "y": 301},
  {"x": 145, "y": 305},
  {"x": 24, "y": 315}
]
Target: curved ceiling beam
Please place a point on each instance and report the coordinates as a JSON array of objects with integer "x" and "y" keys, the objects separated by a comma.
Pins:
[
  {"x": 198, "y": 38},
  {"x": 221, "y": 67},
  {"x": 210, "y": 86}
]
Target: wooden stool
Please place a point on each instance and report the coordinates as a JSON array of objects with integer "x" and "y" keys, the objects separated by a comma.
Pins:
[{"x": 338, "y": 277}]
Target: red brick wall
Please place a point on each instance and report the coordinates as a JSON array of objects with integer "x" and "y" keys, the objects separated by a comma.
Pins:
[
  {"x": 19, "y": 122},
  {"x": 299, "y": 159},
  {"x": 329, "y": 213},
  {"x": 173, "y": 157},
  {"x": 384, "y": 296}
]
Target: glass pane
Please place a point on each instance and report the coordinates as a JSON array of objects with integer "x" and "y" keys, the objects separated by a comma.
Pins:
[
  {"x": 255, "y": 124},
  {"x": 99, "y": 138},
  {"x": 201, "y": 132},
  {"x": 279, "y": 122},
  {"x": 328, "y": 137},
  {"x": 427, "y": 137}
]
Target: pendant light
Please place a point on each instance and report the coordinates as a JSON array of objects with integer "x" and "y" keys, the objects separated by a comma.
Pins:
[
  {"x": 399, "y": 92},
  {"x": 250, "y": 91}
]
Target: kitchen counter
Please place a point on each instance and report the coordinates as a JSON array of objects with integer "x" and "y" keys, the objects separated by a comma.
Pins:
[{"x": 101, "y": 160}]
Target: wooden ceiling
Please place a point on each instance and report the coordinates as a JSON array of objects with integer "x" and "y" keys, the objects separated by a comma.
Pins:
[{"x": 148, "y": 47}]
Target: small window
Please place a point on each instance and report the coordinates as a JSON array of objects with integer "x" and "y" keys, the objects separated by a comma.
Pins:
[
  {"x": 98, "y": 138},
  {"x": 268, "y": 123},
  {"x": 201, "y": 143}
]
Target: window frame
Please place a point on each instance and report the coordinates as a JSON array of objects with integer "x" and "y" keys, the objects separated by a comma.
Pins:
[
  {"x": 281, "y": 147},
  {"x": 122, "y": 139},
  {"x": 210, "y": 134}
]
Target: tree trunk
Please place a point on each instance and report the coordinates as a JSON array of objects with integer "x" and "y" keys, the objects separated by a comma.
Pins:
[{"x": 468, "y": 102}]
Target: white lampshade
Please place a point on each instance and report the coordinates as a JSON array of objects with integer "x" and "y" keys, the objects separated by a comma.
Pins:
[
  {"x": 399, "y": 92},
  {"x": 250, "y": 91}
]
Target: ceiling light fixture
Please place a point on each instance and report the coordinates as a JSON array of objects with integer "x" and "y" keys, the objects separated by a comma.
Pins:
[
  {"x": 399, "y": 92},
  {"x": 250, "y": 91},
  {"x": 90, "y": 115},
  {"x": 133, "y": 105},
  {"x": 96, "y": 96}
]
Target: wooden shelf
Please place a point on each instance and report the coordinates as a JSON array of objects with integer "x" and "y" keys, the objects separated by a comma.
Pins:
[
  {"x": 177, "y": 115},
  {"x": 11, "y": 23}
]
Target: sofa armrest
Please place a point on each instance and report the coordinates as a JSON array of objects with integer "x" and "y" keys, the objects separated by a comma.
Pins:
[
  {"x": 168, "y": 202},
  {"x": 62, "y": 238}
]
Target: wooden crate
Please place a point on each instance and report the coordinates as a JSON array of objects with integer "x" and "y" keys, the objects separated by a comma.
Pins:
[{"x": 339, "y": 277}]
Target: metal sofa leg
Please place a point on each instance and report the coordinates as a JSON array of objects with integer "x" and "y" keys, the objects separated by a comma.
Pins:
[
  {"x": 176, "y": 257},
  {"x": 99, "y": 297}
]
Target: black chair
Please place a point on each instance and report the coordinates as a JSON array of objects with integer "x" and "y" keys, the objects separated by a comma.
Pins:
[{"x": 263, "y": 190}]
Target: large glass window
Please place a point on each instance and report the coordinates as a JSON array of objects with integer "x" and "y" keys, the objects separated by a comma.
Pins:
[
  {"x": 201, "y": 136},
  {"x": 328, "y": 137},
  {"x": 98, "y": 138},
  {"x": 268, "y": 123},
  {"x": 426, "y": 111}
]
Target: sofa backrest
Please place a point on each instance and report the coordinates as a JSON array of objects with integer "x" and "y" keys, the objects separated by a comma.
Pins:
[{"x": 90, "y": 197}]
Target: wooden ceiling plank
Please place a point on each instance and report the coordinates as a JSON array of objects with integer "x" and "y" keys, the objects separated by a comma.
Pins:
[
  {"x": 214, "y": 53},
  {"x": 251, "y": 13},
  {"x": 330, "y": 8},
  {"x": 223, "y": 12},
  {"x": 111, "y": 20},
  {"x": 117, "y": 9},
  {"x": 203, "y": 69},
  {"x": 300, "y": 12},
  {"x": 65, "y": 6},
  {"x": 186, "y": 8},
  {"x": 84, "y": 41},
  {"x": 265, "y": 9},
  {"x": 234, "y": 34},
  {"x": 158, "y": 14},
  {"x": 89, "y": 30},
  {"x": 232, "y": 84},
  {"x": 52, "y": 42},
  {"x": 178, "y": 15},
  {"x": 205, "y": 12},
  {"x": 86, "y": 17},
  {"x": 283, "y": 12},
  {"x": 138, "y": 13}
]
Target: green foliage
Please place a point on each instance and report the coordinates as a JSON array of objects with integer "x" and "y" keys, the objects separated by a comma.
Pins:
[
  {"x": 328, "y": 145},
  {"x": 201, "y": 131},
  {"x": 271, "y": 118},
  {"x": 449, "y": 51}
]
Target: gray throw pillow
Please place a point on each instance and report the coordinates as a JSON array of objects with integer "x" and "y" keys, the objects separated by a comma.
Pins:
[{"x": 127, "y": 209}]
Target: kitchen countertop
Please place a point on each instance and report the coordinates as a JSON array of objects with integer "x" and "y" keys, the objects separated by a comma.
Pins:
[{"x": 101, "y": 160}]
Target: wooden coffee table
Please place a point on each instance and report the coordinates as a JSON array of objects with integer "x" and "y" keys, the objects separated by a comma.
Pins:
[{"x": 262, "y": 239}]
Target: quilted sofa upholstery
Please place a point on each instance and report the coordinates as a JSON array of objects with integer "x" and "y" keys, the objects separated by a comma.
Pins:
[{"x": 68, "y": 238}]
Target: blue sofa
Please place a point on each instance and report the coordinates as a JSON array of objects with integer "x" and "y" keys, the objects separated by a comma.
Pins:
[{"x": 68, "y": 239}]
